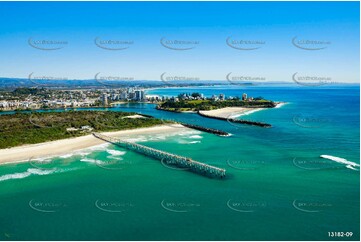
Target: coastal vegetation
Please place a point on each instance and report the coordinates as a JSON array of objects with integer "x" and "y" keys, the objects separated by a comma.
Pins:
[
  {"x": 36, "y": 127},
  {"x": 208, "y": 104}
]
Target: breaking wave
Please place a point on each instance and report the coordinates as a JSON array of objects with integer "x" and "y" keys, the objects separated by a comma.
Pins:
[
  {"x": 27, "y": 173},
  {"x": 349, "y": 164}
]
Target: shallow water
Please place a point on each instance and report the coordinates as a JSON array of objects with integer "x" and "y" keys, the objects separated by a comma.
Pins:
[{"x": 277, "y": 186}]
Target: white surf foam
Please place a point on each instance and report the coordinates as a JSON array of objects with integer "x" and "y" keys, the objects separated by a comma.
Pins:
[
  {"x": 280, "y": 105},
  {"x": 138, "y": 139},
  {"x": 93, "y": 161},
  {"x": 15, "y": 176},
  {"x": 28, "y": 172},
  {"x": 75, "y": 153},
  {"x": 42, "y": 160},
  {"x": 195, "y": 137},
  {"x": 88, "y": 160},
  {"x": 83, "y": 153},
  {"x": 188, "y": 132},
  {"x": 237, "y": 115},
  {"x": 40, "y": 172},
  {"x": 115, "y": 152},
  {"x": 188, "y": 142},
  {"x": 349, "y": 164},
  {"x": 66, "y": 156},
  {"x": 114, "y": 158},
  {"x": 158, "y": 137},
  {"x": 251, "y": 111},
  {"x": 351, "y": 167},
  {"x": 194, "y": 142}
]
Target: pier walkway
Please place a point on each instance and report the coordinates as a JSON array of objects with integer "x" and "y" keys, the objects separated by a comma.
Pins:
[{"x": 170, "y": 158}]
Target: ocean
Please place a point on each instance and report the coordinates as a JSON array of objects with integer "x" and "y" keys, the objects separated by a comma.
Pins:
[{"x": 277, "y": 186}]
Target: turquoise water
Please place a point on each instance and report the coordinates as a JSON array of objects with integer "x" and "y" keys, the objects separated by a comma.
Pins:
[{"x": 277, "y": 186}]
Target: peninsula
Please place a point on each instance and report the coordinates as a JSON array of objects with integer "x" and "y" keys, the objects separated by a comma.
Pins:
[{"x": 219, "y": 107}]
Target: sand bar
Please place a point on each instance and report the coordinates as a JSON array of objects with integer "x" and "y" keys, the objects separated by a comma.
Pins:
[
  {"x": 134, "y": 116},
  {"x": 230, "y": 112},
  {"x": 66, "y": 146}
]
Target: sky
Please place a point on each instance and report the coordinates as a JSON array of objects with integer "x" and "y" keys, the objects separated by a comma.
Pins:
[{"x": 269, "y": 40}]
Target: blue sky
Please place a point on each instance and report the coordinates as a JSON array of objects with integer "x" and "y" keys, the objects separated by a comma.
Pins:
[{"x": 208, "y": 23}]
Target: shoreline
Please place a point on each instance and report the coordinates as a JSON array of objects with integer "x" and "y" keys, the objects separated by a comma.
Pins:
[
  {"x": 235, "y": 112},
  {"x": 230, "y": 112},
  {"x": 24, "y": 153}
]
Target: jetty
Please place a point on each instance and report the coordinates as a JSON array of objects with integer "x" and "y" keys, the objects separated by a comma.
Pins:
[
  {"x": 180, "y": 161},
  {"x": 205, "y": 129}
]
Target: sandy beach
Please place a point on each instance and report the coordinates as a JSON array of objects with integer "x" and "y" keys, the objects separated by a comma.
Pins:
[
  {"x": 66, "y": 146},
  {"x": 230, "y": 112}
]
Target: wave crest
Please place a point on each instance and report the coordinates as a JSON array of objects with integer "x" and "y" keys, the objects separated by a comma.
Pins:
[{"x": 349, "y": 164}]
